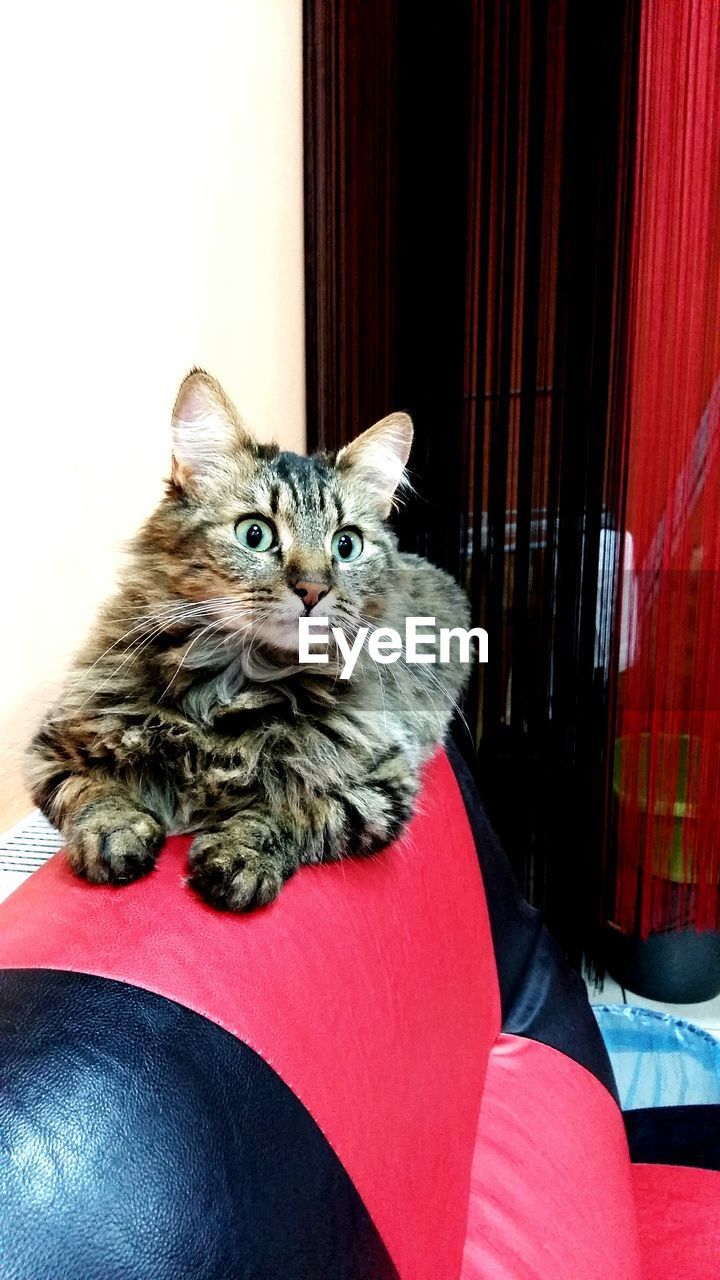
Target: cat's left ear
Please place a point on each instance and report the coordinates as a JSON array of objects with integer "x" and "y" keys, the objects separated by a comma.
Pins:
[
  {"x": 206, "y": 428},
  {"x": 377, "y": 459}
]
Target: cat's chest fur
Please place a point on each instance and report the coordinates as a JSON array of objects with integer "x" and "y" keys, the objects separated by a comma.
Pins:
[{"x": 206, "y": 755}]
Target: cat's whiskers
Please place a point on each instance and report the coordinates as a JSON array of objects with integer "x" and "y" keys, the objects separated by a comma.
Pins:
[
  {"x": 423, "y": 674},
  {"x": 232, "y": 633},
  {"x": 419, "y": 675},
  {"x": 167, "y": 616},
  {"x": 203, "y": 631},
  {"x": 183, "y": 613},
  {"x": 382, "y": 695},
  {"x": 255, "y": 620},
  {"x": 442, "y": 689},
  {"x": 355, "y": 627},
  {"x": 140, "y": 626},
  {"x": 254, "y": 638},
  {"x": 211, "y": 626},
  {"x": 151, "y": 613},
  {"x": 372, "y": 627},
  {"x": 133, "y": 652},
  {"x": 403, "y": 696}
]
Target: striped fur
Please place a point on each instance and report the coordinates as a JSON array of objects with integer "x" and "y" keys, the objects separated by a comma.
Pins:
[{"x": 187, "y": 710}]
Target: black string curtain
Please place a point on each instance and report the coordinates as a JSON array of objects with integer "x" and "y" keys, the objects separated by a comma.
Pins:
[{"x": 468, "y": 205}]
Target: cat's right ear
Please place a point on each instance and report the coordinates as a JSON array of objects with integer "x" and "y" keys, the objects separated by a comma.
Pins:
[
  {"x": 206, "y": 428},
  {"x": 378, "y": 458}
]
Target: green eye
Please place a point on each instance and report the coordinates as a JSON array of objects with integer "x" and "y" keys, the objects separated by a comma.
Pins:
[
  {"x": 347, "y": 544},
  {"x": 255, "y": 533}
]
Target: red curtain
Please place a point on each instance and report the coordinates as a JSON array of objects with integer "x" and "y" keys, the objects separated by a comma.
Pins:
[{"x": 667, "y": 748}]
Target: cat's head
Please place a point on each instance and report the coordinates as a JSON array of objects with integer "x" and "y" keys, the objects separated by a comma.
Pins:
[{"x": 271, "y": 536}]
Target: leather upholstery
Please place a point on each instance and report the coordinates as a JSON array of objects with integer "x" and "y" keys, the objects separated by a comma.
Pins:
[
  {"x": 552, "y": 1195},
  {"x": 304, "y": 1093},
  {"x": 679, "y": 1222},
  {"x": 367, "y": 986},
  {"x": 140, "y": 1141},
  {"x": 541, "y": 996},
  {"x": 675, "y": 1135}
]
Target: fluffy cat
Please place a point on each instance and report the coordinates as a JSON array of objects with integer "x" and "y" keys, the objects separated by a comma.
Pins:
[{"x": 188, "y": 710}]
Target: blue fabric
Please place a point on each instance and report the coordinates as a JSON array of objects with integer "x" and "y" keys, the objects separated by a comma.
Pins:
[{"x": 659, "y": 1060}]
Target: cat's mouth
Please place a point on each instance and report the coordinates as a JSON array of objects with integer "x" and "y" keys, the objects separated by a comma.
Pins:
[{"x": 281, "y": 628}]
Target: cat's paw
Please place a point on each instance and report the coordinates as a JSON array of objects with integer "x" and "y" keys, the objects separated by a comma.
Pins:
[
  {"x": 112, "y": 842},
  {"x": 231, "y": 875}
]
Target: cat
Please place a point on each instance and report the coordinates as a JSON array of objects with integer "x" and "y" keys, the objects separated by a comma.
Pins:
[{"x": 188, "y": 709}]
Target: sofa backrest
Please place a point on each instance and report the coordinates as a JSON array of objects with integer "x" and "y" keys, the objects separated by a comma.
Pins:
[
  {"x": 552, "y": 1195},
  {"x": 369, "y": 989}
]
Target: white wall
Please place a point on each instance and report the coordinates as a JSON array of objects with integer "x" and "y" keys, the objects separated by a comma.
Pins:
[{"x": 151, "y": 219}]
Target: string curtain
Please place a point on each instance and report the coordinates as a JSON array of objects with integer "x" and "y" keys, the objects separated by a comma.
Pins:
[
  {"x": 512, "y": 232},
  {"x": 666, "y": 773}
]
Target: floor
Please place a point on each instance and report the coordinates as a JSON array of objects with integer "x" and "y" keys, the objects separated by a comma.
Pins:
[{"x": 705, "y": 1015}]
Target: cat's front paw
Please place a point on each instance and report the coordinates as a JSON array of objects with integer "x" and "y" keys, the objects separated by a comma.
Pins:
[
  {"x": 111, "y": 841},
  {"x": 232, "y": 875}
]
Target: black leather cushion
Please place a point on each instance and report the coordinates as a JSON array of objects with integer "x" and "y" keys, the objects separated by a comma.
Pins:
[
  {"x": 139, "y": 1141},
  {"x": 541, "y": 996},
  {"x": 675, "y": 1135}
]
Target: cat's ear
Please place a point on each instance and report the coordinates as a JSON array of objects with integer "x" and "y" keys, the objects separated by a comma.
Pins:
[
  {"x": 378, "y": 457},
  {"x": 205, "y": 429}
]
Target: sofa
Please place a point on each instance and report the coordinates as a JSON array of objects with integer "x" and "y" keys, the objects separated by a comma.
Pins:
[{"x": 388, "y": 1074}]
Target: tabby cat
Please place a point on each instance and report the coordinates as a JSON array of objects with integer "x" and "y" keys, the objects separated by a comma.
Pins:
[{"x": 188, "y": 710}]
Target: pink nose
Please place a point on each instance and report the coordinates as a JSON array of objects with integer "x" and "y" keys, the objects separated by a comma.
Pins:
[{"x": 310, "y": 592}]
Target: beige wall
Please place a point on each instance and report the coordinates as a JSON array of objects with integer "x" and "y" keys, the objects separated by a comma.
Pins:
[{"x": 151, "y": 219}]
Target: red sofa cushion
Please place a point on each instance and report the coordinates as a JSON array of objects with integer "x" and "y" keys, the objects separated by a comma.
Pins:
[
  {"x": 551, "y": 1194},
  {"x": 678, "y": 1212},
  {"x": 369, "y": 986}
]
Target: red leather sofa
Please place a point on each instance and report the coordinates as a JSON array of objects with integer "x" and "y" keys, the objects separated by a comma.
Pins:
[{"x": 389, "y": 1073}]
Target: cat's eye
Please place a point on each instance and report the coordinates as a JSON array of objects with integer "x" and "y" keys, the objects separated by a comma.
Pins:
[
  {"x": 347, "y": 544},
  {"x": 255, "y": 533}
]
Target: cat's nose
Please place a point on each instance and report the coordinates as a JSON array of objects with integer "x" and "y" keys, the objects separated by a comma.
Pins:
[{"x": 310, "y": 592}]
